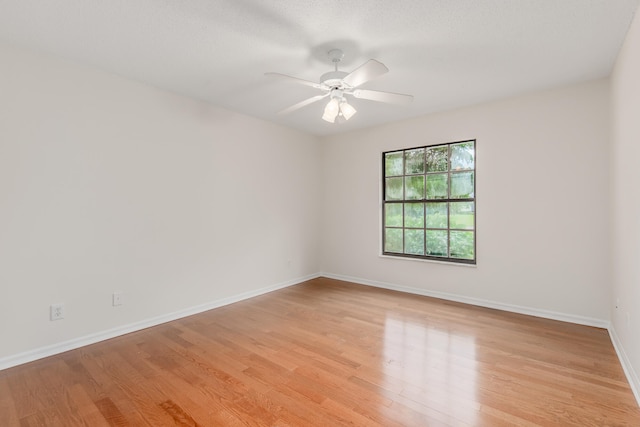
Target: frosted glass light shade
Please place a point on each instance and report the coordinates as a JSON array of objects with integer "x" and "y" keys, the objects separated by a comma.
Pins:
[
  {"x": 347, "y": 110},
  {"x": 331, "y": 110}
]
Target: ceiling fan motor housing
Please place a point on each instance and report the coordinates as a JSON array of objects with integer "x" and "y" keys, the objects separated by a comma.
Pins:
[{"x": 333, "y": 79}]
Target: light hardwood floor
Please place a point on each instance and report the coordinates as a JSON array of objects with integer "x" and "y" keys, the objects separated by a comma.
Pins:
[{"x": 331, "y": 353}]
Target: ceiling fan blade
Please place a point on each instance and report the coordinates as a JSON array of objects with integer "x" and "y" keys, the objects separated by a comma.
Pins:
[
  {"x": 367, "y": 71},
  {"x": 390, "y": 97},
  {"x": 294, "y": 80},
  {"x": 303, "y": 104}
]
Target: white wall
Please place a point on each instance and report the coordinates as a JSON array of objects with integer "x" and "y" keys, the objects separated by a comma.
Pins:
[
  {"x": 542, "y": 204},
  {"x": 625, "y": 168},
  {"x": 106, "y": 184}
]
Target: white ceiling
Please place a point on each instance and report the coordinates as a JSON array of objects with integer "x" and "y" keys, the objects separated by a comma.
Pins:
[{"x": 447, "y": 53}]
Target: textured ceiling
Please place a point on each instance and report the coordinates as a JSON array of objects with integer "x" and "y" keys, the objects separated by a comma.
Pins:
[{"x": 446, "y": 53}]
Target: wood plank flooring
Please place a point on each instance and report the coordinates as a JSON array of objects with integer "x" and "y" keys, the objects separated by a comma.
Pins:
[{"x": 331, "y": 353}]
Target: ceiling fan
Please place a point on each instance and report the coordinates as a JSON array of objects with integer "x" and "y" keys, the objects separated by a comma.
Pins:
[{"x": 336, "y": 85}]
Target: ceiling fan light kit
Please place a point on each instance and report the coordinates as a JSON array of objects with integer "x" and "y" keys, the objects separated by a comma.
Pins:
[
  {"x": 337, "y": 84},
  {"x": 338, "y": 107}
]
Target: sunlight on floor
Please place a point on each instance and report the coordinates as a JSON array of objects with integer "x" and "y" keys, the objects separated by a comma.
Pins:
[{"x": 439, "y": 366}]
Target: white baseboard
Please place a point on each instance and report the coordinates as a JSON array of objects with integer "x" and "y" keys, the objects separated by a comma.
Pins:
[
  {"x": 39, "y": 353},
  {"x": 546, "y": 314},
  {"x": 632, "y": 375}
]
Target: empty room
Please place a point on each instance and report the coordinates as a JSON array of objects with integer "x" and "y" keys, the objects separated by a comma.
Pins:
[{"x": 303, "y": 213}]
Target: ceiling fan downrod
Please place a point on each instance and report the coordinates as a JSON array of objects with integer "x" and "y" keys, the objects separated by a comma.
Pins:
[{"x": 333, "y": 79}]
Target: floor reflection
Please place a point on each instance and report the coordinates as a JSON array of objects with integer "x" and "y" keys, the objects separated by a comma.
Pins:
[{"x": 436, "y": 367}]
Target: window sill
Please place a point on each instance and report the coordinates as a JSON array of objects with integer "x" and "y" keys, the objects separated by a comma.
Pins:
[{"x": 431, "y": 261}]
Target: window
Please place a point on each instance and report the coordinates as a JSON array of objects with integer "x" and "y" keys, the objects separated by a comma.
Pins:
[{"x": 429, "y": 205}]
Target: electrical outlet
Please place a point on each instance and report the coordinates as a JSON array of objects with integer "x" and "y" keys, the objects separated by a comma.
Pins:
[
  {"x": 117, "y": 298},
  {"x": 57, "y": 312}
]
